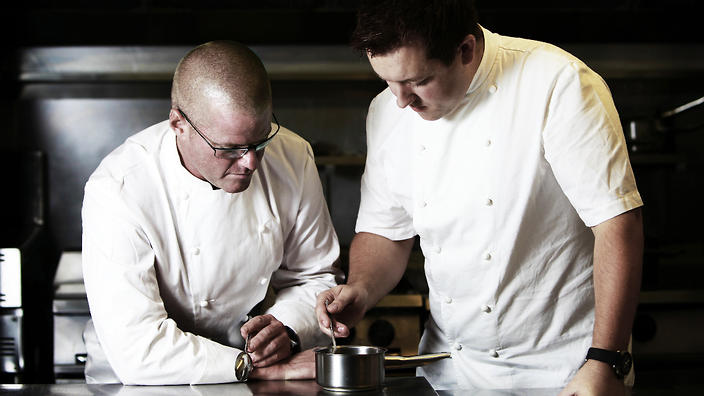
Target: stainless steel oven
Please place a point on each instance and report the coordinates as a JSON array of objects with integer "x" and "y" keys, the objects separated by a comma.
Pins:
[
  {"x": 11, "y": 354},
  {"x": 25, "y": 269}
]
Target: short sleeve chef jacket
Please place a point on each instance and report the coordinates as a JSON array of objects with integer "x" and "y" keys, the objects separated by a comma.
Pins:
[
  {"x": 500, "y": 191},
  {"x": 172, "y": 266}
]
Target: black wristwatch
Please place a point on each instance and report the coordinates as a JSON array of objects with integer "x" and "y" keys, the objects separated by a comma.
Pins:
[
  {"x": 295, "y": 341},
  {"x": 620, "y": 361}
]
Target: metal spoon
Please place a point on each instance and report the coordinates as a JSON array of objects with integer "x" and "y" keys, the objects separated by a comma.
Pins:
[{"x": 332, "y": 332}]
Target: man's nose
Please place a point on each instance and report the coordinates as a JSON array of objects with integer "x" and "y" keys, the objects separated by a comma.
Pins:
[
  {"x": 250, "y": 160},
  {"x": 404, "y": 96}
]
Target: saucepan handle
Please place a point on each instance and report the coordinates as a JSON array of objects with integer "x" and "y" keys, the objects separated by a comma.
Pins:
[{"x": 400, "y": 362}]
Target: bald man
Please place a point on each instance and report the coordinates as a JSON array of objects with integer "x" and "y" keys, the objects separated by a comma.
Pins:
[{"x": 188, "y": 224}]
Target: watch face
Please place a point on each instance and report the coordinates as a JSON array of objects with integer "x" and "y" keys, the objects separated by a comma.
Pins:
[{"x": 243, "y": 366}]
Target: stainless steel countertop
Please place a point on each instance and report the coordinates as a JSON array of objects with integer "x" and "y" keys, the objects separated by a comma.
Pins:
[{"x": 416, "y": 386}]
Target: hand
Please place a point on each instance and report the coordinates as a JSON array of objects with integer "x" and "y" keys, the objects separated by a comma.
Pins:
[
  {"x": 347, "y": 303},
  {"x": 298, "y": 366},
  {"x": 268, "y": 341},
  {"x": 594, "y": 379}
]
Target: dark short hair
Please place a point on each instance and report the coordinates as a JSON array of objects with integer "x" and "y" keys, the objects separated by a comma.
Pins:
[{"x": 437, "y": 25}]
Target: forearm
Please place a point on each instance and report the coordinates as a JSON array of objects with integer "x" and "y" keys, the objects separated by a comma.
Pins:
[
  {"x": 377, "y": 264},
  {"x": 618, "y": 257}
]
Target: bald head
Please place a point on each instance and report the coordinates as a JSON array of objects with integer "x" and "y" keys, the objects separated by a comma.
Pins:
[{"x": 221, "y": 73}]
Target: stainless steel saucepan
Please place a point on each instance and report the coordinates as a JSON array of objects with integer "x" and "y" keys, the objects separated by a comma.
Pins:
[{"x": 356, "y": 368}]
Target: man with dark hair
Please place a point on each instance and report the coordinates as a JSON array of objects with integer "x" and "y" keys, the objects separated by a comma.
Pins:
[
  {"x": 507, "y": 158},
  {"x": 187, "y": 225}
]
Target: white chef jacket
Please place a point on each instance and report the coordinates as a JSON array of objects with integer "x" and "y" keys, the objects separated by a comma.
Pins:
[
  {"x": 172, "y": 266},
  {"x": 502, "y": 192}
]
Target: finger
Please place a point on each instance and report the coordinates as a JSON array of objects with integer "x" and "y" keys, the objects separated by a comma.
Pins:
[
  {"x": 267, "y": 335},
  {"x": 254, "y": 325},
  {"x": 343, "y": 296},
  {"x": 321, "y": 309},
  {"x": 341, "y": 330},
  {"x": 340, "y": 299},
  {"x": 278, "y": 349}
]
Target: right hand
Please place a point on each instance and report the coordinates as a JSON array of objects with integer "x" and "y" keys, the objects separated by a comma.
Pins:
[{"x": 346, "y": 303}]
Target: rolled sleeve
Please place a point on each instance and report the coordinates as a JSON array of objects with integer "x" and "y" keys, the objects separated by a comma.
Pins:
[{"x": 586, "y": 148}]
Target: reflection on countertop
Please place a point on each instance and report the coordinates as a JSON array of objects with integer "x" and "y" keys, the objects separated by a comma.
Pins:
[{"x": 416, "y": 386}]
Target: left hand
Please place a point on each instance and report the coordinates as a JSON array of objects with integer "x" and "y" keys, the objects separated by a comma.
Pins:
[
  {"x": 297, "y": 367},
  {"x": 268, "y": 341},
  {"x": 594, "y": 379}
]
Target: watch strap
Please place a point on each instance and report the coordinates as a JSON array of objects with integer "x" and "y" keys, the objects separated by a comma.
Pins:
[
  {"x": 619, "y": 361},
  {"x": 603, "y": 355},
  {"x": 295, "y": 340}
]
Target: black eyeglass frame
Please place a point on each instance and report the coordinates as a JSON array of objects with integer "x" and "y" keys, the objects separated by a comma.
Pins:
[{"x": 239, "y": 151}]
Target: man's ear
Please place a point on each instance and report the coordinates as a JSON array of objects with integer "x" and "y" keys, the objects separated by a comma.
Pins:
[
  {"x": 467, "y": 49},
  {"x": 176, "y": 121}
]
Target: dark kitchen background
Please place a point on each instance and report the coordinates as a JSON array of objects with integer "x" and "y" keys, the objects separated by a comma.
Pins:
[{"x": 78, "y": 77}]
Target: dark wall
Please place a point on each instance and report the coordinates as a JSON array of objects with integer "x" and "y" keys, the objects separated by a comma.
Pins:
[{"x": 120, "y": 22}]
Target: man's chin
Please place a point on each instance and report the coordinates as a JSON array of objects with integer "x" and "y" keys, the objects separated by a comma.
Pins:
[
  {"x": 427, "y": 114},
  {"x": 237, "y": 185},
  {"x": 433, "y": 114}
]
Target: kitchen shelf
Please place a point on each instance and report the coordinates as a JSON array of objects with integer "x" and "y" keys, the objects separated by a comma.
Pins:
[
  {"x": 157, "y": 63},
  {"x": 323, "y": 62},
  {"x": 402, "y": 301}
]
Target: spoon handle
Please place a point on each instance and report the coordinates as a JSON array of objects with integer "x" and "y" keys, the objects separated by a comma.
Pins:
[{"x": 332, "y": 332}]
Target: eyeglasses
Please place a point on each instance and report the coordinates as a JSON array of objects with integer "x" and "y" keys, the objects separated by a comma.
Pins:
[{"x": 237, "y": 151}]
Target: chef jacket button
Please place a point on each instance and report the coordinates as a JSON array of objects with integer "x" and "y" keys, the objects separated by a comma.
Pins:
[
  {"x": 203, "y": 303},
  {"x": 262, "y": 228},
  {"x": 487, "y": 143},
  {"x": 196, "y": 251},
  {"x": 486, "y": 308},
  {"x": 489, "y": 202},
  {"x": 448, "y": 300},
  {"x": 492, "y": 88},
  {"x": 487, "y": 256},
  {"x": 437, "y": 249},
  {"x": 423, "y": 204},
  {"x": 263, "y": 281},
  {"x": 421, "y": 148},
  {"x": 493, "y": 353},
  {"x": 457, "y": 346}
]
